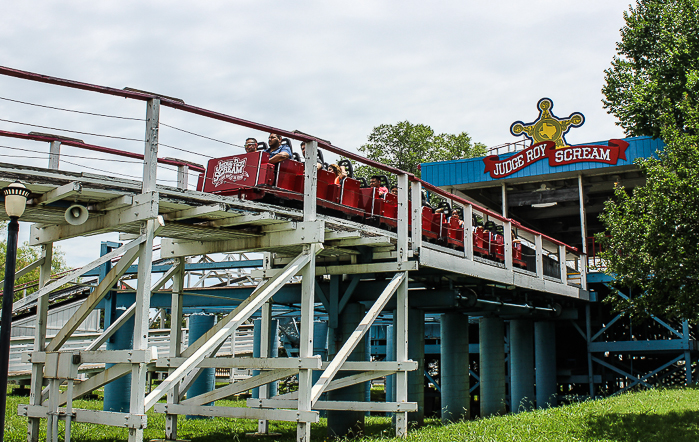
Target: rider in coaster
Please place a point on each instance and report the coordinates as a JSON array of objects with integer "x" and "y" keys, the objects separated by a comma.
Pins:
[
  {"x": 250, "y": 145},
  {"x": 394, "y": 190},
  {"x": 303, "y": 154},
  {"x": 455, "y": 215},
  {"x": 278, "y": 152},
  {"x": 339, "y": 173},
  {"x": 375, "y": 181}
]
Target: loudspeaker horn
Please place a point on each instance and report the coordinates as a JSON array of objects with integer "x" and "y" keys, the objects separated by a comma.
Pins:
[{"x": 76, "y": 214}]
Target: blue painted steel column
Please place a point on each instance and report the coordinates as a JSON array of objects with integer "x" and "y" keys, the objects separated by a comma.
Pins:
[
  {"x": 545, "y": 358},
  {"x": 273, "y": 351},
  {"x": 199, "y": 324},
  {"x": 416, "y": 352},
  {"x": 492, "y": 365},
  {"x": 390, "y": 386},
  {"x": 522, "y": 365},
  {"x": 342, "y": 423},
  {"x": 117, "y": 394},
  {"x": 453, "y": 367}
]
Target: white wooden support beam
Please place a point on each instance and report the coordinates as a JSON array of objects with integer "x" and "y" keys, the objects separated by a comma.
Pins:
[
  {"x": 28, "y": 268},
  {"x": 48, "y": 288},
  {"x": 92, "y": 300},
  {"x": 183, "y": 176},
  {"x": 562, "y": 264},
  {"x": 195, "y": 212},
  {"x": 504, "y": 199},
  {"x": 403, "y": 214},
  {"x": 248, "y": 218},
  {"x": 308, "y": 279},
  {"x": 350, "y": 269},
  {"x": 401, "y": 380},
  {"x": 141, "y": 322},
  {"x": 265, "y": 344},
  {"x": 336, "y": 384},
  {"x": 145, "y": 207},
  {"x": 54, "y": 154},
  {"x": 42, "y": 307},
  {"x": 356, "y": 336},
  {"x": 385, "y": 407},
  {"x": 99, "y": 417},
  {"x": 312, "y": 363},
  {"x": 416, "y": 215},
  {"x": 150, "y": 154},
  {"x": 112, "y": 204},
  {"x": 173, "y": 396},
  {"x": 468, "y": 231},
  {"x": 539, "y": 246},
  {"x": 59, "y": 193},
  {"x": 507, "y": 233},
  {"x": 310, "y": 181},
  {"x": 241, "y": 386},
  {"x": 305, "y": 233},
  {"x": 196, "y": 352},
  {"x": 121, "y": 320},
  {"x": 96, "y": 381},
  {"x": 239, "y": 412}
]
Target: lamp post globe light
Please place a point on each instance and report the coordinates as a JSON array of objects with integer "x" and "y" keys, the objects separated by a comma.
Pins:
[{"x": 15, "y": 202}]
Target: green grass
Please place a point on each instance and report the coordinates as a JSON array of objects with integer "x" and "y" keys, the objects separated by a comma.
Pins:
[{"x": 654, "y": 415}]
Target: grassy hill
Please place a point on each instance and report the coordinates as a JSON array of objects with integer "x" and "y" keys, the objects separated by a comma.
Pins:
[{"x": 654, "y": 415}]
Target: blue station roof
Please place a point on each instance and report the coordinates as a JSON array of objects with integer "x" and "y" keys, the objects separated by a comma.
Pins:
[{"x": 472, "y": 170}]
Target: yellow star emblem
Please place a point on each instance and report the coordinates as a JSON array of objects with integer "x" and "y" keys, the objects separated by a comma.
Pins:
[{"x": 548, "y": 127}]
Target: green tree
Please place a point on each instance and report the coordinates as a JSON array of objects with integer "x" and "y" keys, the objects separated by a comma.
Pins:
[
  {"x": 652, "y": 233},
  {"x": 25, "y": 256},
  {"x": 656, "y": 67},
  {"x": 405, "y": 145}
]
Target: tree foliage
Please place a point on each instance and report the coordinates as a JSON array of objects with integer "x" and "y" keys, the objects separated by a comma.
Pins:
[
  {"x": 26, "y": 255},
  {"x": 652, "y": 242},
  {"x": 656, "y": 67},
  {"x": 405, "y": 145}
]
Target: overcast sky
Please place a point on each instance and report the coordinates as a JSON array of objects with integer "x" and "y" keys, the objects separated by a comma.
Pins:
[{"x": 331, "y": 69}]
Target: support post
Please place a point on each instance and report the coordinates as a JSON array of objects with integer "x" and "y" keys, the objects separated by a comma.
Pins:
[
  {"x": 454, "y": 367},
  {"x": 416, "y": 352},
  {"x": 42, "y": 307},
  {"x": 539, "y": 245},
  {"x": 687, "y": 353},
  {"x": 562, "y": 263},
  {"x": 308, "y": 280},
  {"x": 468, "y": 232},
  {"x": 522, "y": 365},
  {"x": 402, "y": 227},
  {"x": 310, "y": 181},
  {"x": 416, "y": 206},
  {"x": 54, "y": 154},
  {"x": 504, "y": 200},
  {"x": 492, "y": 366},
  {"x": 588, "y": 338},
  {"x": 173, "y": 396},
  {"x": 401, "y": 378},
  {"x": 507, "y": 233},
  {"x": 545, "y": 360}
]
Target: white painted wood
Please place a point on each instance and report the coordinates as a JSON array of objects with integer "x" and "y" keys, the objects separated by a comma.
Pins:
[
  {"x": 266, "y": 339},
  {"x": 214, "y": 337},
  {"x": 403, "y": 214},
  {"x": 468, "y": 231},
  {"x": 368, "y": 366},
  {"x": 88, "y": 416},
  {"x": 173, "y": 396},
  {"x": 239, "y": 412},
  {"x": 305, "y": 233},
  {"x": 507, "y": 233},
  {"x": 93, "y": 299},
  {"x": 145, "y": 208},
  {"x": 310, "y": 181},
  {"x": 112, "y": 204},
  {"x": 194, "y": 212},
  {"x": 308, "y": 278},
  {"x": 59, "y": 193},
  {"x": 337, "y": 405},
  {"x": 76, "y": 274},
  {"x": 401, "y": 380},
  {"x": 42, "y": 306},
  {"x": 248, "y": 218},
  {"x": 311, "y": 363},
  {"x": 54, "y": 154},
  {"x": 97, "y": 343},
  {"x": 27, "y": 269},
  {"x": 340, "y": 383},
  {"x": 183, "y": 176},
  {"x": 150, "y": 154},
  {"x": 504, "y": 200},
  {"x": 350, "y": 269},
  {"x": 538, "y": 244},
  {"x": 562, "y": 264},
  {"x": 416, "y": 224},
  {"x": 356, "y": 336},
  {"x": 96, "y": 381},
  {"x": 240, "y": 386}
]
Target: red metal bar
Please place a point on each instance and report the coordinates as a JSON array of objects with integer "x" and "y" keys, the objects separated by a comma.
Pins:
[
  {"x": 261, "y": 127},
  {"x": 92, "y": 147}
]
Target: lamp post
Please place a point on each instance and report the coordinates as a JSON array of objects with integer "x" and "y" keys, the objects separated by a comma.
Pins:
[{"x": 15, "y": 202}]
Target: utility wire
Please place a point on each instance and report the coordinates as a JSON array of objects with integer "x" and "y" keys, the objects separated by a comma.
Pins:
[
  {"x": 72, "y": 131},
  {"x": 72, "y": 156},
  {"x": 71, "y": 110}
]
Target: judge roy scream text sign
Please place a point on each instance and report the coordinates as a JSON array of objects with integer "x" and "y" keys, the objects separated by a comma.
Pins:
[{"x": 615, "y": 151}]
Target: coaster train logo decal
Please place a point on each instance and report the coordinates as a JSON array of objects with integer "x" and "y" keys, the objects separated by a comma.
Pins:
[{"x": 547, "y": 134}]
